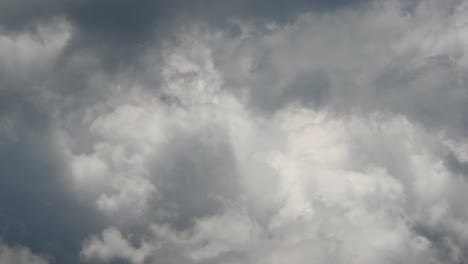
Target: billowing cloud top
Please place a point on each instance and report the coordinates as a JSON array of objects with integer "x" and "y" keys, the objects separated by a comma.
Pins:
[{"x": 233, "y": 131}]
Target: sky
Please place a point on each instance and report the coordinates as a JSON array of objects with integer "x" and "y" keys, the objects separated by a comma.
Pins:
[{"x": 233, "y": 132}]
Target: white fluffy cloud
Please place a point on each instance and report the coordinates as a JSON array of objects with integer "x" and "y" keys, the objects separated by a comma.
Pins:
[
  {"x": 324, "y": 199},
  {"x": 19, "y": 255},
  {"x": 299, "y": 184},
  {"x": 113, "y": 246}
]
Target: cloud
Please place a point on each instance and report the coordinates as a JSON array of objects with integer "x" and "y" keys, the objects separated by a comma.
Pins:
[
  {"x": 113, "y": 246},
  {"x": 325, "y": 181},
  {"x": 328, "y": 199},
  {"x": 19, "y": 255},
  {"x": 233, "y": 132},
  {"x": 116, "y": 33}
]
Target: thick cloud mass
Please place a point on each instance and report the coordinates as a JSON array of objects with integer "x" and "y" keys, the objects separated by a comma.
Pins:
[
  {"x": 233, "y": 131},
  {"x": 19, "y": 255}
]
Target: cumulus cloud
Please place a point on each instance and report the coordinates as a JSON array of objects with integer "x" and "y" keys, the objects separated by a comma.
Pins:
[
  {"x": 332, "y": 201},
  {"x": 19, "y": 255},
  {"x": 113, "y": 246},
  {"x": 244, "y": 132}
]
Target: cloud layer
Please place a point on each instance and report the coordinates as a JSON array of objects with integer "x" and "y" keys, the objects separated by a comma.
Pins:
[{"x": 247, "y": 132}]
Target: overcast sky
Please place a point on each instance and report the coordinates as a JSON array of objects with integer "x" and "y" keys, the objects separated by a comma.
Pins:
[{"x": 222, "y": 132}]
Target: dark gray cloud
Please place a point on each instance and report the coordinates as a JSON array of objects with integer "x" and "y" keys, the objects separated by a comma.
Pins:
[
  {"x": 309, "y": 89},
  {"x": 455, "y": 164},
  {"x": 17, "y": 16},
  {"x": 197, "y": 174},
  {"x": 38, "y": 209},
  {"x": 433, "y": 94},
  {"x": 117, "y": 32},
  {"x": 124, "y": 20}
]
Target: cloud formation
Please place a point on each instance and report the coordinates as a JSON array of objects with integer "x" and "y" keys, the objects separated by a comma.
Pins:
[
  {"x": 233, "y": 132},
  {"x": 19, "y": 255}
]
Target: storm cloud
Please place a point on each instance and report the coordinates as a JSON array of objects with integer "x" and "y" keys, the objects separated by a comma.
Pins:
[{"x": 233, "y": 131}]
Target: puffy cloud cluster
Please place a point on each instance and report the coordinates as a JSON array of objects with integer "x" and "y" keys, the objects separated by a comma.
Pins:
[
  {"x": 244, "y": 132},
  {"x": 19, "y": 255}
]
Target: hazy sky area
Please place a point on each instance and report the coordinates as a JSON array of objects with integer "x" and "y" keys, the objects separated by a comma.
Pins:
[{"x": 233, "y": 132}]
